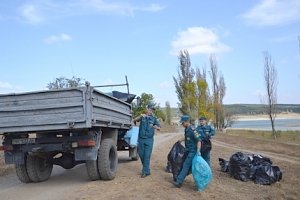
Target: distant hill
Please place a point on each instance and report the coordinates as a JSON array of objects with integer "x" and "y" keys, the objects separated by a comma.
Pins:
[
  {"x": 252, "y": 109},
  {"x": 249, "y": 109}
]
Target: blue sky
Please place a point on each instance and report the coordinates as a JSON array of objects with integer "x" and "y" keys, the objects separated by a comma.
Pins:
[{"x": 102, "y": 41}]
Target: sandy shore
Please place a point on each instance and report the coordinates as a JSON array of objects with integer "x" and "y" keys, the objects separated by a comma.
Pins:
[{"x": 264, "y": 117}]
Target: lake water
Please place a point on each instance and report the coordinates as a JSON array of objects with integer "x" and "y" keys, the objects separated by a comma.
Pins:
[{"x": 263, "y": 124}]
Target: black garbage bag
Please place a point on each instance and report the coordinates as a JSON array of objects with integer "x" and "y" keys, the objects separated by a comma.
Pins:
[
  {"x": 267, "y": 174},
  {"x": 123, "y": 96},
  {"x": 169, "y": 167},
  {"x": 224, "y": 165},
  {"x": 240, "y": 166},
  {"x": 244, "y": 167},
  {"x": 260, "y": 160},
  {"x": 205, "y": 145},
  {"x": 176, "y": 158}
]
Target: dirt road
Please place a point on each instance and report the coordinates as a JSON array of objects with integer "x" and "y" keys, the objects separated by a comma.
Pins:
[
  {"x": 73, "y": 184},
  {"x": 61, "y": 182},
  {"x": 277, "y": 156}
]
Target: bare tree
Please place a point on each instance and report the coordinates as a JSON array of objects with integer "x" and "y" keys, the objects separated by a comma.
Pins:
[
  {"x": 215, "y": 88},
  {"x": 229, "y": 120},
  {"x": 202, "y": 94},
  {"x": 222, "y": 92},
  {"x": 63, "y": 82},
  {"x": 219, "y": 91},
  {"x": 193, "y": 90},
  {"x": 271, "y": 83},
  {"x": 168, "y": 113},
  {"x": 185, "y": 85}
]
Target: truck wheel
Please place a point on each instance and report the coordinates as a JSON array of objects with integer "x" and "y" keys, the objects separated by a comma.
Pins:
[
  {"x": 92, "y": 169},
  {"x": 38, "y": 169},
  {"x": 134, "y": 154},
  {"x": 107, "y": 159},
  {"x": 22, "y": 174}
]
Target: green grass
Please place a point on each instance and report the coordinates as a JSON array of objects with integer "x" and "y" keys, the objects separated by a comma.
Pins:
[{"x": 286, "y": 136}]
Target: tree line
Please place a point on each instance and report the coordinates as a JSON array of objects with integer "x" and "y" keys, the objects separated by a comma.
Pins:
[{"x": 196, "y": 97}]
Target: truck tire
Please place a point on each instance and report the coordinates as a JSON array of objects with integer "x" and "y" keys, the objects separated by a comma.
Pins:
[
  {"x": 134, "y": 154},
  {"x": 38, "y": 169},
  {"x": 92, "y": 169},
  {"x": 107, "y": 159},
  {"x": 22, "y": 174}
]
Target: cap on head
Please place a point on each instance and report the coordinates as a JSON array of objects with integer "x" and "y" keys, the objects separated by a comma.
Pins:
[
  {"x": 202, "y": 118},
  {"x": 184, "y": 118},
  {"x": 151, "y": 106}
]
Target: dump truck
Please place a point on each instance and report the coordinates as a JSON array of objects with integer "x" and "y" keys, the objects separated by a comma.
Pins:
[{"x": 65, "y": 127}]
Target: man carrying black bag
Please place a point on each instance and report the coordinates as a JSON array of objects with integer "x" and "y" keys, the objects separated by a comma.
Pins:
[{"x": 206, "y": 132}]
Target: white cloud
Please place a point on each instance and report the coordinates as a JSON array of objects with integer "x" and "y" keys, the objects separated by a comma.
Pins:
[
  {"x": 5, "y": 85},
  {"x": 108, "y": 82},
  {"x": 31, "y": 14},
  {"x": 198, "y": 40},
  {"x": 120, "y": 8},
  {"x": 260, "y": 95},
  {"x": 63, "y": 37},
  {"x": 38, "y": 11},
  {"x": 283, "y": 39},
  {"x": 273, "y": 12},
  {"x": 258, "y": 92},
  {"x": 8, "y": 87},
  {"x": 165, "y": 85},
  {"x": 152, "y": 8},
  {"x": 108, "y": 7}
]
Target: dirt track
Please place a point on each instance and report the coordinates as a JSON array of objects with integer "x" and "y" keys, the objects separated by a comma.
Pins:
[
  {"x": 74, "y": 184},
  {"x": 62, "y": 181},
  {"x": 277, "y": 156}
]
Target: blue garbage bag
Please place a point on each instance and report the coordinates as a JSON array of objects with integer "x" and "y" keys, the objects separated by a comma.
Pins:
[{"x": 201, "y": 173}]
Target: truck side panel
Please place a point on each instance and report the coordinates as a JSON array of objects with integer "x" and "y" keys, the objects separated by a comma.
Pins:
[
  {"x": 37, "y": 111},
  {"x": 64, "y": 109},
  {"x": 108, "y": 111}
]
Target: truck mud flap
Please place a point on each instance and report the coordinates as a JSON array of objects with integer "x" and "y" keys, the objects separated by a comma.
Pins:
[
  {"x": 14, "y": 157},
  {"x": 86, "y": 154}
]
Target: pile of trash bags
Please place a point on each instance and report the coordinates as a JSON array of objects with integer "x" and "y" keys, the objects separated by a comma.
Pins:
[
  {"x": 246, "y": 166},
  {"x": 200, "y": 169}
]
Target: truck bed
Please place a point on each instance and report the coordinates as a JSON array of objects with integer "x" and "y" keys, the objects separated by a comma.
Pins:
[{"x": 62, "y": 109}]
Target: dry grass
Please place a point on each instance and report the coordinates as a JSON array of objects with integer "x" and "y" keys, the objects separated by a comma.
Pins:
[
  {"x": 286, "y": 146},
  {"x": 288, "y": 143},
  {"x": 165, "y": 128},
  {"x": 282, "y": 136},
  {"x": 158, "y": 185}
]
